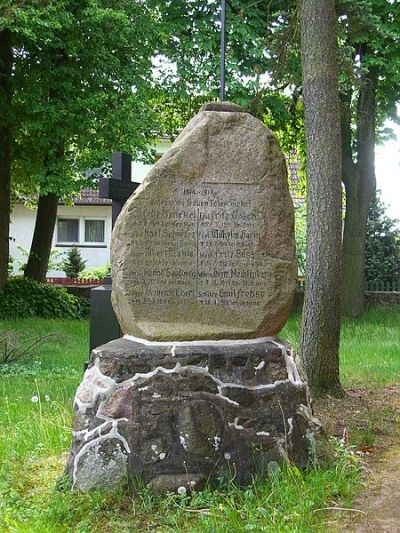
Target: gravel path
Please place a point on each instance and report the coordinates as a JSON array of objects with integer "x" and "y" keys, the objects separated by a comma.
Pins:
[
  {"x": 377, "y": 411},
  {"x": 380, "y": 501}
]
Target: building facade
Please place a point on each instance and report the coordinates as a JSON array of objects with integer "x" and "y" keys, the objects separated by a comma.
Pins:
[{"x": 86, "y": 224}]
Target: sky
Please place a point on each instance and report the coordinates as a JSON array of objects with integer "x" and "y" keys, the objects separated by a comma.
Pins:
[{"x": 387, "y": 169}]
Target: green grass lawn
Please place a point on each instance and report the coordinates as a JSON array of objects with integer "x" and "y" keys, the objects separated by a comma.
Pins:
[
  {"x": 36, "y": 399},
  {"x": 369, "y": 347}
]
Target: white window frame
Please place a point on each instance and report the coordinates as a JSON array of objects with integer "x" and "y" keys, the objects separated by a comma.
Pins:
[
  {"x": 81, "y": 232},
  {"x": 69, "y": 243},
  {"x": 90, "y": 243}
]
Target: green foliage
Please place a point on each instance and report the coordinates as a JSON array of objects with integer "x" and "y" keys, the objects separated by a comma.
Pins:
[
  {"x": 25, "y": 298},
  {"x": 300, "y": 214},
  {"x": 369, "y": 33},
  {"x": 174, "y": 110},
  {"x": 382, "y": 251},
  {"x": 262, "y": 59},
  {"x": 81, "y": 79},
  {"x": 73, "y": 264},
  {"x": 56, "y": 259},
  {"x": 16, "y": 345},
  {"x": 192, "y": 43},
  {"x": 96, "y": 272}
]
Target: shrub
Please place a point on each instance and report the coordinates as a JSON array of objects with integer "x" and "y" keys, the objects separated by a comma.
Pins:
[
  {"x": 10, "y": 265},
  {"x": 56, "y": 259},
  {"x": 74, "y": 264},
  {"x": 382, "y": 248},
  {"x": 96, "y": 272},
  {"x": 22, "y": 298}
]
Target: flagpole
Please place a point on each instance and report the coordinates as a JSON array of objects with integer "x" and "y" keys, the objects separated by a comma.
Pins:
[{"x": 223, "y": 48}]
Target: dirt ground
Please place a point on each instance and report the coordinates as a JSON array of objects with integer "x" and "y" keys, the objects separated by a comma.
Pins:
[{"x": 369, "y": 420}]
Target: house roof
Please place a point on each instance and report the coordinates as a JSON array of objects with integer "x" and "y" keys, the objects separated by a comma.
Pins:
[{"x": 88, "y": 197}]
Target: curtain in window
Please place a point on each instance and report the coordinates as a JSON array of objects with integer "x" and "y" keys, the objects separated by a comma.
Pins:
[
  {"x": 68, "y": 230},
  {"x": 94, "y": 230}
]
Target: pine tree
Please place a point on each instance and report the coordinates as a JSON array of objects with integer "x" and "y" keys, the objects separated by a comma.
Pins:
[
  {"x": 382, "y": 251},
  {"x": 74, "y": 264}
]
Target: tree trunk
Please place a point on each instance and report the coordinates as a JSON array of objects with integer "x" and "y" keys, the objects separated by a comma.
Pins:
[
  {"x": 46, "y": 215},
  {"x": 321, "y": 313},
  {"x": 355, "y": 230},
  {"x": 39, "y": 254},
  {"x": 360, "y": 184},
  {"x": 5, "y": 151}
]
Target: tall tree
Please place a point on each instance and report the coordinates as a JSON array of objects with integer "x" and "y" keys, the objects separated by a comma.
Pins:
[
  {"x": 360, "y": 183},
  {"x": 81, "y": 77},
  {"x": 370, "y": 36},
  {"x": 5, "y": 149},
  {"x": 321, "y": 313}
]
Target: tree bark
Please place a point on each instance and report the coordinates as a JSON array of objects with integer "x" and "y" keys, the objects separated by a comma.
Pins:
[
  {"x": 360, "y": 184},
  {"x": 320, "y": 333},
  {"x": 46, "y": 215},
  {"x": 39, "y": 254},
  {"x": 5, "y": 151}
]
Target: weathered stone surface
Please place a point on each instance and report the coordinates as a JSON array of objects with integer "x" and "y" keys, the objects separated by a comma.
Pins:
[
  {"x": 175, "y": 483},
  {"x": 222, "y": 106},
  {"x": 204, "y": 249},
  {"x": 101, "y": 464},
  {"x": 178, "y": 414}
]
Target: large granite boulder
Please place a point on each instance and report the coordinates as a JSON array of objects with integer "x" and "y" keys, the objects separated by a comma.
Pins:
[
  {"x": 178, "y": 414},
  {"x": 204, "y": 249}
]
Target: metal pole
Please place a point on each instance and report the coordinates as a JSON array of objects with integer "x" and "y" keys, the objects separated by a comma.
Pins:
[{"x": 223, "y": 47}]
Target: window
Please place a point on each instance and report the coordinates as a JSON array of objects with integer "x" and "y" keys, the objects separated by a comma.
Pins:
[
  {"x": 81, "y": 231},
  {"x": 68, "y": 230},
  {"x": 94, "y": 230}
]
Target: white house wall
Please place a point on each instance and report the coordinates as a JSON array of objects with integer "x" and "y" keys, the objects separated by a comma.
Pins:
[
  {"x": 140, "y": 170},
  {"x": 21, "y": 231},
  {"x": 23, "y": 223}
]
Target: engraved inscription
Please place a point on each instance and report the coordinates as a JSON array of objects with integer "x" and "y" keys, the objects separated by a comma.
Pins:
[
  {"x": 204, "y": 249},
  {"x": 201, "y": 244}
]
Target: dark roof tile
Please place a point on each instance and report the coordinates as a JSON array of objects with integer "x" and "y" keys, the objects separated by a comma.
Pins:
[{"x": 88, "y": 197}]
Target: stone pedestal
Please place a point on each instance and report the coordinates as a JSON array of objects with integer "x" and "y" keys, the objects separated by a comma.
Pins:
[{"x": 178, "y": 414}]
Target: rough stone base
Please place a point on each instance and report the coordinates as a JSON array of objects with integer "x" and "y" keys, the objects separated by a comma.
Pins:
[{"x": 178, "y": 414}]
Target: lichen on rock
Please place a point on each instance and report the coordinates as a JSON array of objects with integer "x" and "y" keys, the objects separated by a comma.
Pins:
[{"x": 173, "y": 412}]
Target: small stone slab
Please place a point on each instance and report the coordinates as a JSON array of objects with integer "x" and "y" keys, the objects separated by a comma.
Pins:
[
  {"x": 204, "y": 249},
  {"x": 222, "y": 106}
]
